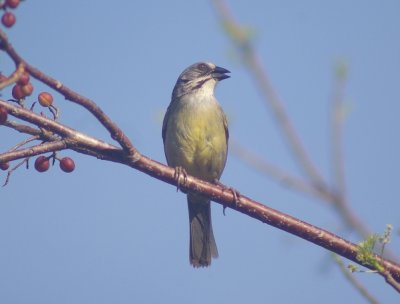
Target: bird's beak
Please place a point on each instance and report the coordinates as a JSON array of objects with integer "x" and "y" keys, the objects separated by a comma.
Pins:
[{"x": 220, "y": 73}]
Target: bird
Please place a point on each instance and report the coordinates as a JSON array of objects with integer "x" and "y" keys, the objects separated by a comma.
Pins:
[{"x": 195, "y": 136}]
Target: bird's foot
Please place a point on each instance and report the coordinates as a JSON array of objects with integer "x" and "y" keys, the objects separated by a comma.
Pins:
[
  {"x": 180, "y": 173},
  {"x": 235, "y": 193}
]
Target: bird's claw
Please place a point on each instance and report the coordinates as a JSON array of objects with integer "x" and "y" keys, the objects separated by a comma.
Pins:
[
  {"x": 235, "y": 193},
  {"x": 178, "y": 175},
  {"x": 236, "y": 196}
]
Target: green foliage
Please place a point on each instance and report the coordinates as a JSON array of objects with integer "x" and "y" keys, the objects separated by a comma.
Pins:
[
  {"x": 353, "y": 268},
  {"x": 365, "y": 250}
]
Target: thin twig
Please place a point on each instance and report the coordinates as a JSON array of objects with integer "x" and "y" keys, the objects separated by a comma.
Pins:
[
  {"x": 55, "y": 127},
  {"x": 273, "y": 171},
  {"x": 115, "y": 132},
  {"x": 24, "y": 142},
  {"x": 339, "y": 195},
  {"x": 337, "y": 117},
  {"x": 240, "y": 39},
  {"x": 49, "y": 136},
  {"x": 298, "y": 184},
  {"x": 251, "y": 60},
  {"x": 353, "y": 280},
  {"x": 391, "y": 280},
  {"x": 14, "y": 76},
  {"x": 51, "y": 146},
  {"x": 28, "y": 130},
  {"x": 24, "y": 161}
]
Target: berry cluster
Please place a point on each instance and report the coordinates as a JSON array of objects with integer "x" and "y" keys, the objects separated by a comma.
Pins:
[
  {"x": 8, "y": 19},
  {"x": 22, "y": 89},
  {"x": 42, "y": 164}
]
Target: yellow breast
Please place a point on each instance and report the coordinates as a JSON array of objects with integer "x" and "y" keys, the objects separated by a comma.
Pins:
[{"x": 195, "y": 139}]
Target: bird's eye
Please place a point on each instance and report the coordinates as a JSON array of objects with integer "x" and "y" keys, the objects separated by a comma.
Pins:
[{"x": 203, "y": 67}]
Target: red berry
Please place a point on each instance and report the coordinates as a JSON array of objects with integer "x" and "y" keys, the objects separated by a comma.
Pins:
[
  {"x": 8, "y": 19},
  {"x": 3, "y": 115},
  {"x": 67, "y": 164},
  {"x": 42, "y": 164},
  {"x": 24, "y": 79},
  {"x": 27, "y": 89},
  {"x": 45, "y": 99},
  {"x": 12, "y": 3},
  {"x": 17, "y": 92},
  {"x": 4, "y": 166}
]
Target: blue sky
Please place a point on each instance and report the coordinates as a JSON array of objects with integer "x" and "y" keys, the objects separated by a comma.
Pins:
[{"x": 107, "y": 233}]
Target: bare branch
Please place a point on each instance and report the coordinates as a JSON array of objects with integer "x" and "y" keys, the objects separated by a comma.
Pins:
[
  {"x": 24, "y": 142},
  {"x": 251, "y": 60},
  {"x": 281, "y": 176},
  {"x": 35, "y": 150},
  {"x": 115, "y": 132},
  {"x": 357, "y": 284},
  {"x": 265, "y": 214},
  {"x": 14, "y": 76},
  {"x": 339, "y": 195},
  {"x": 300, "y": 185},
  {"x": 55, "y": 127},
  {"x": 391, "y": 280},
  {"x": 24, "y": 161},
  {"x": 225, "y": 197},
  {"x": 129, "y": 156},
  {"x": 42, "y": 133},
  {"x": 222, "y": 195}
]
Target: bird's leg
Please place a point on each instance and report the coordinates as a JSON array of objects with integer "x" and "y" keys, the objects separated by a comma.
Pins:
[
  {"x": 180, "y": 172},
  {"x": 235, "y": 193}
]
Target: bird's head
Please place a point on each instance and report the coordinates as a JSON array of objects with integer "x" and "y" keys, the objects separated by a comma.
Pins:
[{"x": 199, "y": 76}]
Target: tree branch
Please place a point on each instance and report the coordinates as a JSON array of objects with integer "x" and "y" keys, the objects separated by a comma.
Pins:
[
  {"x": 281, "y": 176},
  {"x": 74, "y": 137},
  {"x": 129, "y": 156},
  {"x": 219, "y": 194},
  {"x": 14, "y": 76},
  {"x": 337, "y": 116},
  {"x": 51, "y": 146},
  {"x": 115, "y": 132},
  {"x": 241, "y": 40},
  {"x": 350, "y": 277},
  {"x": 251, "y": 60}
]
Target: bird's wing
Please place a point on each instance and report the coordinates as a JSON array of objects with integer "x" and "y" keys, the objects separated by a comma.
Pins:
[
  {"x": 225, "y": 126},
  {"x": 165, "y": 123}
]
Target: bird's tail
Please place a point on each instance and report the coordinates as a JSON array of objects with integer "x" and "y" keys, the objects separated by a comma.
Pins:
[{"x": 202, "y": 243}]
